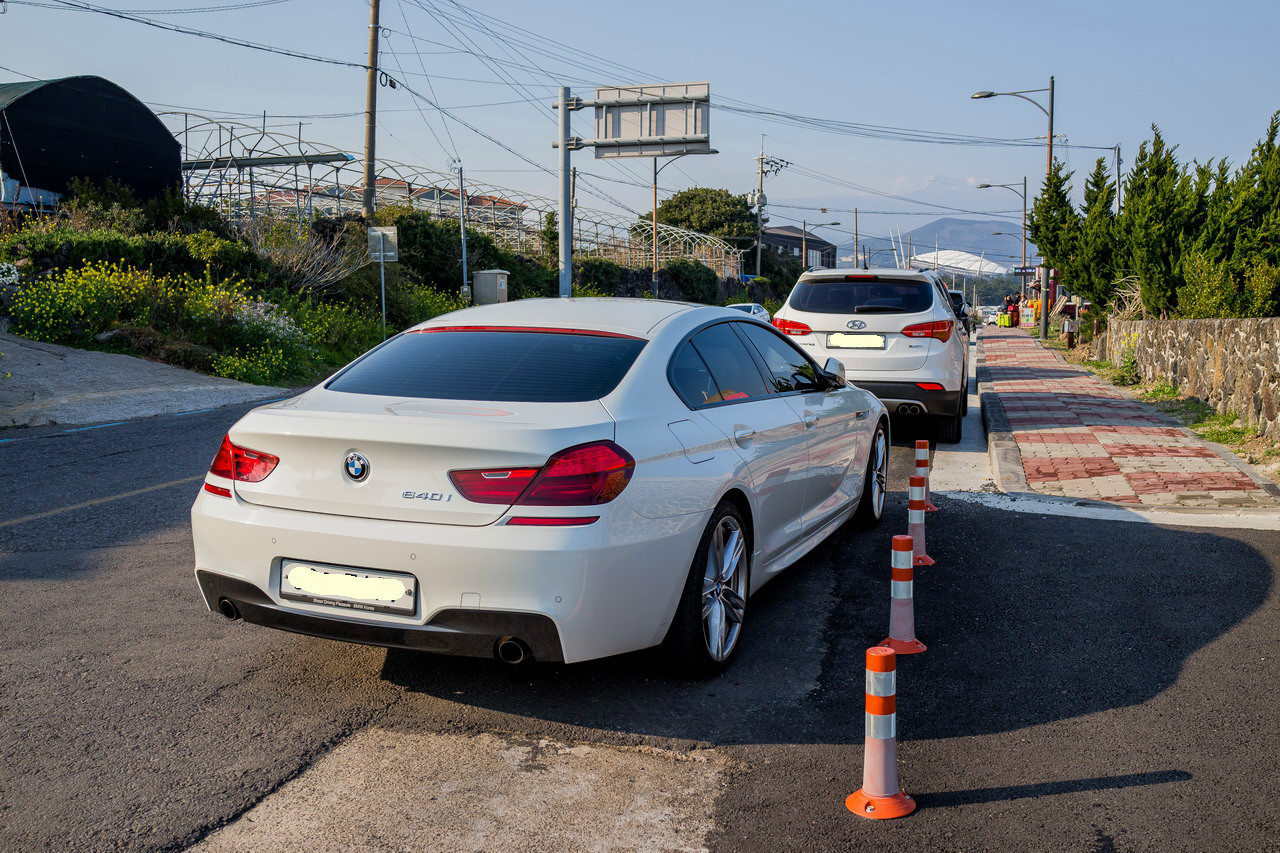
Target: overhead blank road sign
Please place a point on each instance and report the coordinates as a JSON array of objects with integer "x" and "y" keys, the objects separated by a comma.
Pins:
[
  {"x": 653, "y": 121},
  {"x": 383, "y": 244}
]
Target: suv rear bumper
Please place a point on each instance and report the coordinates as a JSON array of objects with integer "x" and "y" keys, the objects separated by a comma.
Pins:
[{"x": 895, "y": 394}]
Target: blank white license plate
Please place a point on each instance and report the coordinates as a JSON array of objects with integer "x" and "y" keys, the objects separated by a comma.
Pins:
[
  {"x": 362, "y": 590},
  {"x": 844, "y": 340}
]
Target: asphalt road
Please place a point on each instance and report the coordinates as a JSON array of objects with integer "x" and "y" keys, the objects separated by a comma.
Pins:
[{"x": 1089, "y": 685}]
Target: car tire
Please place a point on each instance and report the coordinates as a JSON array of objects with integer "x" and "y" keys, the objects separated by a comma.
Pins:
[
  {"x": 875, "y": 485},
  {"x": 691, "y": 641},
  {"x": 949, "y": 429}
]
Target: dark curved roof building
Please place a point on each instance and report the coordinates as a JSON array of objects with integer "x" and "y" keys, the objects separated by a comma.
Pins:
[{"x": 80, "y": 127}]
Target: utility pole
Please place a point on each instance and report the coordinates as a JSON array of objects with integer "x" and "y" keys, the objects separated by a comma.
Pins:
[
  {"x": 462, "y": 230},
  {"x": 371, "y": 110},
  {"x": 1117, "y": 179},
  {"x": 566, "y": 236},
  {"x": 653, "y": 272},
  {"x": 855, "y": 237},
  {"x": 1049, "y": 168},
  {"x": 759, "y": 203}
]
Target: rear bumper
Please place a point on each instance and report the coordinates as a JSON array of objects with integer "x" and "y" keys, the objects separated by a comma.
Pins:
[
  {"x": 894, "y": 394},
  {"x": 472, "y": 633},
  {"x": 571, "y": 593}
]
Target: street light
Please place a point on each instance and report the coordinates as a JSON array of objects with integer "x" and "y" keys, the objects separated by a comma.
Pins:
[
  {"x": 1022, "y": 93},
  {"x": 1013, "y": 188},
  {"x": 653, "y": 277},
  {"x": 804, "y": 237}
]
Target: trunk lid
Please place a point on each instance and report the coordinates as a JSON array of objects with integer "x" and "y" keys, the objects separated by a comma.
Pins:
[{"x": 410, "y": 446}]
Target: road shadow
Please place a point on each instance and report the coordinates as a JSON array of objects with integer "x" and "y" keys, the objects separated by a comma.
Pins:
[
  {"x": 1048, "y": 789},
  {"x": 1037, "y": 620}
]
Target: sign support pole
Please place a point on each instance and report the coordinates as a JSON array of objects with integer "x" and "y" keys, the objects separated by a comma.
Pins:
[{"x": 382, "y": 278}]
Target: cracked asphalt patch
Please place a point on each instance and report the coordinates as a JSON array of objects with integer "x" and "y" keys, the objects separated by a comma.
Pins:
[{"x": 390, "y": 790}]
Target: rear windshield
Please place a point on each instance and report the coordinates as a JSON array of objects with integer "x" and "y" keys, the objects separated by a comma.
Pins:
[
  {"x": 878, "y": 296},
  {"x": 497, "y": 366}
]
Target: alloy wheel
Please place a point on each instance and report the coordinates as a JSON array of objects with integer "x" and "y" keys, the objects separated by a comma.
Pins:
[{"x": 724, "y": 588}]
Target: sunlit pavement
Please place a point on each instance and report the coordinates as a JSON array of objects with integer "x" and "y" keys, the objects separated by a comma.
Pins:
[{"x": 1089, "y": 685}]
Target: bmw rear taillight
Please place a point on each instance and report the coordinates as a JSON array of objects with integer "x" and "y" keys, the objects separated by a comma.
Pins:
[
  {"x": 940, "y": 329},
  {"x": 494, "y": 486},
  {"x": 791, "y": 327},
  {"x": 241, "y": 463},
  {"x": 586, "y": 475}
]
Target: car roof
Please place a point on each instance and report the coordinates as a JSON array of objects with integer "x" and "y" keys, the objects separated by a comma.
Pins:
[
  {"x": 878, "y": 272},
  {"x": 611, "y": 314}
]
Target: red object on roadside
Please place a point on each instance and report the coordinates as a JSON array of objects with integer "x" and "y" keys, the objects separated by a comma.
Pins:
[{"x": 881, "y": 796}]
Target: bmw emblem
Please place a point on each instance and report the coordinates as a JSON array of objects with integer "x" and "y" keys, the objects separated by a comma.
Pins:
[
  {"x": 857, "y": 324},
  {"x": 357, "y": 467}
]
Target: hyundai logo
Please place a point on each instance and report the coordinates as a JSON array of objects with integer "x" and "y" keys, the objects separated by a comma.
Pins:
[
  {"x": 857, "y": 324},
  {"x": 357, "y": 467}
]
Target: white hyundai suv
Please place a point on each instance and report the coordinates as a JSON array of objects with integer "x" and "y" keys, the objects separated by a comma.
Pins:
[{"x": 896, "y": 334}]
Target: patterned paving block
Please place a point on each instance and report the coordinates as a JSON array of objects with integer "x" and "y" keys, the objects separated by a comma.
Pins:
[{"x": 1082, "y": 438}]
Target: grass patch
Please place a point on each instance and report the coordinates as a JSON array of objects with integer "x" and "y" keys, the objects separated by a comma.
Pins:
[{"x": 1160, "y": 391}]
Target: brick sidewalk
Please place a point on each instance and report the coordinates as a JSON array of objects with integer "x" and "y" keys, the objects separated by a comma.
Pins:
[{"x": 1080, "y": 437}]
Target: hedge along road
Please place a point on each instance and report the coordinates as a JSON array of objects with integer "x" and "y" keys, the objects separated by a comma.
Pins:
[{"x": 1089, "y": 685}]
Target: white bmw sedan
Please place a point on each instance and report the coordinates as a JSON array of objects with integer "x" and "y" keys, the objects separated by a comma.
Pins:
[{"x": 559, "y": 479}]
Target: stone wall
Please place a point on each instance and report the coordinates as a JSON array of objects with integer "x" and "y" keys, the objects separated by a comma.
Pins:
[{"x": 1233, "y": 365}]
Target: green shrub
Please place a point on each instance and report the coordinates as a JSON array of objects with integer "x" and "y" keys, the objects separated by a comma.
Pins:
[
  {"x": 62, "y": 247},
  {"x": 600, "y": 275},
  {"x": 426, "y": 303},
  {"x": 696, "y": 282}
]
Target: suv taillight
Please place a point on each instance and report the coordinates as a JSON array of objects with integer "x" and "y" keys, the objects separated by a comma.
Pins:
[
  {"x": 589, "y": 474},
  {"x": 791, "y": 327},
  {"x": 940, "y": 329},
  {"x": 241, "y": 463}
]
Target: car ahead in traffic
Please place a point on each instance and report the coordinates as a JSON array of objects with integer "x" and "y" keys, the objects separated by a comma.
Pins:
[
  {"x": 896, "y": 333},
  {"x": 755, "y": 309},
  {"x": 561, "y": 479}
]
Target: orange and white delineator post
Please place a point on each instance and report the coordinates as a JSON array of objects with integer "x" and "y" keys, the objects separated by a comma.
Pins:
[
  {"x": 923, "y": 469},
  {"x": 915, "y": 521},
  {"x": 902, "y": 618},
  {"x": 880, "y": 795}
]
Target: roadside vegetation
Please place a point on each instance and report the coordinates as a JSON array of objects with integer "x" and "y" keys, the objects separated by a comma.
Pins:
[
  {"x": 1193, "y": 240},
  {"x": 281, "y": 300}
]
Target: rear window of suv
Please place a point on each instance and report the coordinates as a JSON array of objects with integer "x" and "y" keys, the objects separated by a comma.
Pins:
[
  {"x": 862, "y": 296},
  {"x": 493, "y": 365}
]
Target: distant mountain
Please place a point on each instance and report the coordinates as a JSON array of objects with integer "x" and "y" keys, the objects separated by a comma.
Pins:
[{"x": 967, "y": 235}]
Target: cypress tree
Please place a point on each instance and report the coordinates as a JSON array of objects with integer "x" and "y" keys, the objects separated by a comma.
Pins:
[
  {"x": 1093, "y": 267},
  {"x": 1053, "y": 224}
]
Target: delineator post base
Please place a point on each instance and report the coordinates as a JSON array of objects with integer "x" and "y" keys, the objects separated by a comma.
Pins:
[
  {"x": 905, "y": 647},
  {"x": 880, "y": 808}
]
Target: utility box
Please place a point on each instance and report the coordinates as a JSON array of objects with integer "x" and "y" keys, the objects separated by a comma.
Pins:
[{"x": 490, "y": 286}]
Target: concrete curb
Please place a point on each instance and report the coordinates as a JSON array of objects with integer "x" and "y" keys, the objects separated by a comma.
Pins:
[{"x": 1011, "y": 478}]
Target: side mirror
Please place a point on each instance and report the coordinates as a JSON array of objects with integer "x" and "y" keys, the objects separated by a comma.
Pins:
[{"x": 834, "y": 367}]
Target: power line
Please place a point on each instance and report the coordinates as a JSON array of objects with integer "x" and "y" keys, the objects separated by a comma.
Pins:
[{"x": 177, "y": 28}]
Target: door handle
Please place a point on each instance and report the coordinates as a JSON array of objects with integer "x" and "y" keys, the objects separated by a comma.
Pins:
[
  {"x": 862, "y": 416},
  {"x": 810, "y": 420},
  {"x": 742, "y": 435}
]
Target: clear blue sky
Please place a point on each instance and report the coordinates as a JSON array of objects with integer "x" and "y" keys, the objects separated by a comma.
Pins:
[{"x": 1206, "y": 74}]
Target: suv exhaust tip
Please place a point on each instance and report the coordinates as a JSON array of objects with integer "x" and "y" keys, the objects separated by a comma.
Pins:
[
  {"x": 228, "y": 608},
  {"x": 910, "y": 409},
  {"x": 512, "y": 650}
]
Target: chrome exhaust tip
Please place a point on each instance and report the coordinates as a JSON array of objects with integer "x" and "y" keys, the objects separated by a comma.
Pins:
[
  {"x": 513, "y": 651},
  {"x": 228, "y": 608}
]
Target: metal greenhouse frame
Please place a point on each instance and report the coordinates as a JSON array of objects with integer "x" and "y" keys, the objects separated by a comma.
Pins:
[{"x": 245, "y": 171}]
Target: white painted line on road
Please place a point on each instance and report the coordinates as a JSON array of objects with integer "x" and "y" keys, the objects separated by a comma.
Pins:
[{"x": 72, "y": 507}]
